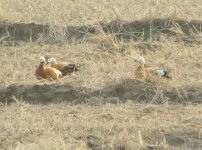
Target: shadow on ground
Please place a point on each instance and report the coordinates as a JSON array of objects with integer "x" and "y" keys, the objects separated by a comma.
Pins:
[
  {"x": 176, "y": 139},
  {"x": 136, "y": 91},
  {"x": 16, "y": 33},
  {"x": 39, "y": 93}
]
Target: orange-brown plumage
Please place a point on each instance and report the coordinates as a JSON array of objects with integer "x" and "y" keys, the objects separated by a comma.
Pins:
[
  {"x": 139, "y": 72},
  {"x": 43, "y": 72},
  {"x": 64, "y": 67}
]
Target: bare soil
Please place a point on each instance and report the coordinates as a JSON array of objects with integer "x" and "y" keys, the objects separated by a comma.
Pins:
[{"x": 145, "y": 29}]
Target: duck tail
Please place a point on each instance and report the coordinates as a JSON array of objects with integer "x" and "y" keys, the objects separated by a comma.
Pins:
[
  {"x": 72, "y": 67},
  {"x": 164, "y": 74},
  {"x": 167, "y": 75}
]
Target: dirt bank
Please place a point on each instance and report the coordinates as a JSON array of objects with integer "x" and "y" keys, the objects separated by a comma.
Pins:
[{"x": 129, "y": 90}]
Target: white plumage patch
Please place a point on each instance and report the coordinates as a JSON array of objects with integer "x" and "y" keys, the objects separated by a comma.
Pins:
[
  {"x": 160, "y": 72},
  {"x": 139, "y": 60},
  {"x": 52, "y": 61}
]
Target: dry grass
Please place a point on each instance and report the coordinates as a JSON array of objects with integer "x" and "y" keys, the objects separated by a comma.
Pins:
[
  {"x": 79, "y": 12},
  {"x": 104, "y": 60},
  {"x": 120, "y": 126}
]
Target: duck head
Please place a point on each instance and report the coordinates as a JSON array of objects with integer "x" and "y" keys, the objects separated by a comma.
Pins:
[{"x": 139, "y": 60}]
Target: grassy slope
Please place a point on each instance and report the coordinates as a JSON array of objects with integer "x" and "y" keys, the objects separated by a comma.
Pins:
[{"x": 61, "y": 126}]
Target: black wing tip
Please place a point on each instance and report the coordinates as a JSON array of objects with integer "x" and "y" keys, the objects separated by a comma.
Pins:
[
  {"x": 72, "y": 67},
  {"x": 167, "y": 75}
]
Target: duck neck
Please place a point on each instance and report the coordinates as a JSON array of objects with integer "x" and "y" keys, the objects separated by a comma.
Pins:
[
  {"x": 42, "y": 65},
  {"x": 142, "y": 65}
]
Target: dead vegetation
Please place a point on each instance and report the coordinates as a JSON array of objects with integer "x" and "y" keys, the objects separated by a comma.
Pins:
[
  {"x": 103, "y": 106},
  {"x": 111, "y": 126}
]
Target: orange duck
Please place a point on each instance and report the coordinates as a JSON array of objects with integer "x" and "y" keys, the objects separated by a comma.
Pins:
[
  {"x": 143, "y": 71},
  {"x": 44, "y": 72},
  {"x": 64, "y": 67}
]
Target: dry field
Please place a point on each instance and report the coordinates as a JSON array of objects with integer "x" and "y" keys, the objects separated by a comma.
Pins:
[{"x": 102, "y": 106}]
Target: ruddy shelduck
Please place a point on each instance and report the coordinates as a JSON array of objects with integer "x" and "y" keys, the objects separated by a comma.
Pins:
[
  {"x": 143, "y": 71},
  {"x": 64, "y": 67},
  {"x": 44, "y": 72}
]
